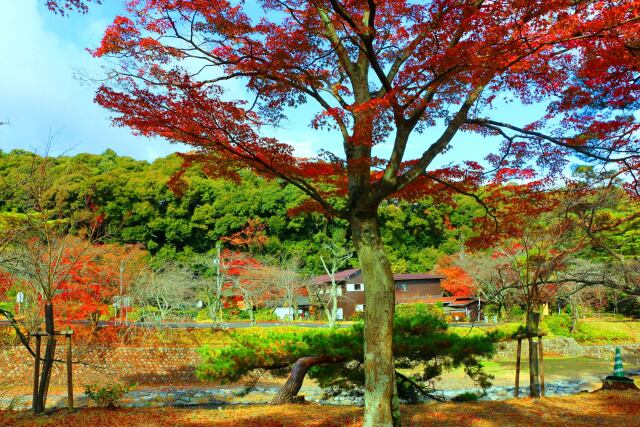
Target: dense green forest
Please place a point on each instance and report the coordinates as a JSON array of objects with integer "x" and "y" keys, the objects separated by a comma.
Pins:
[{"x": 138, "y": 206}]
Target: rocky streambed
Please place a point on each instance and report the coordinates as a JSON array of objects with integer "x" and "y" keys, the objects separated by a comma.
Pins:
[{"x": 220, "y": 396}]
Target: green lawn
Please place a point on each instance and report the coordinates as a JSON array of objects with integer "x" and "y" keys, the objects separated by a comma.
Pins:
[{"x": 589, "y": 330}]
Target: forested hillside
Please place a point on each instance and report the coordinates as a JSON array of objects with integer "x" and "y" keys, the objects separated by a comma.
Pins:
[{"x": 137, "y": 206}]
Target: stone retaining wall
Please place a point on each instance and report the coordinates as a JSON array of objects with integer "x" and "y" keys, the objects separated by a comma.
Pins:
[
  {"x": 103, "y": 364},
  {"x": 154, "y": 366},
  {"x": 569, "y": 347}
]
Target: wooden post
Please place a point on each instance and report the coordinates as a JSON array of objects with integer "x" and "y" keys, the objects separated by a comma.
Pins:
[
  {"x": 69, "y": 372},
  {"x": 36, "y": 376},
  {"x": 518, "y": 354},
  {"x": 541, "y": 363}
]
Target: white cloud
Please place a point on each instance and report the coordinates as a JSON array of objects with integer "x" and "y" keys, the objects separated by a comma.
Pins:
[{"x": 39, "y": 95}]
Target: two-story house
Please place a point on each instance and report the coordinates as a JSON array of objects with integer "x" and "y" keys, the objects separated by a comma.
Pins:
[{"x": 410, "y": 288}]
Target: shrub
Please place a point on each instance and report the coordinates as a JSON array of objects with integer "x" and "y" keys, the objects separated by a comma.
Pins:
[
  {"x": 357, "y": 316},
  {"x": 265, "y": 314},
  {"x": 515, "y": 312},
  {"x": 559, "y": 324},
  {"x": 108, "y": 396},
  {"x": 8, "y": 337},
  {"x": 467, "y": 396},
  {"x": 203, "y": 315},
  {"x": 412, "y": 310},
  {"x": 589, "y": 333},
  {"x": 8, "y": 306}
]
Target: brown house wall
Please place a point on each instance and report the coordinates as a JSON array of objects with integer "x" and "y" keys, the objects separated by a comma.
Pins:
[
  {"x": 417, "y": 290},
  {"x": 348, "y": 302}
]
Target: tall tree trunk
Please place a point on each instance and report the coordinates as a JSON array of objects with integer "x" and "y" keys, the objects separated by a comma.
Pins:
[
  {"x": 290, "y": 389},
  {"x": 379, "y": 291},
  {"x": 334, "y": 305},
  {"x": 294, "y": 315},
  {"x": 327, "y": 312}
]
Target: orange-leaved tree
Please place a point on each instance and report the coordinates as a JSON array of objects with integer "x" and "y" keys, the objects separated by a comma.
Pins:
[
  {"x": 457, "y": 281},
  {"x": 405, "y": 75},
  {"x": 100, "y": 276}
]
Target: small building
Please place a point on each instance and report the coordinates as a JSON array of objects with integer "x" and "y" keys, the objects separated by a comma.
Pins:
[
  {"x": 460, "y": 308},
  {"x": 303, "y": 309}
]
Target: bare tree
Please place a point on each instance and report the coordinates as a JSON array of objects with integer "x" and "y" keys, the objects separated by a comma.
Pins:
[
  {"x": 333, "y": 257},
  {"x": 41, "y": 248},
  {"x": 287, "y": 281},
  {"x": 165, "y": 294}
]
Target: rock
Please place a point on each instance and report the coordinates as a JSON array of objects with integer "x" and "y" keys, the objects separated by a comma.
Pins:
[
  {"x": 298, "y": 399},
  {"x": 618, "y": 384}
]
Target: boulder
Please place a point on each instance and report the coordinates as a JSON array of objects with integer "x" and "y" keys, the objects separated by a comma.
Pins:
[{"x": 618, "y": 384}]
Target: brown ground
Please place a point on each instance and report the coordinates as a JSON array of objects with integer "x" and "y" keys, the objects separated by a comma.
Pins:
[{"x": 596, "y": 409}]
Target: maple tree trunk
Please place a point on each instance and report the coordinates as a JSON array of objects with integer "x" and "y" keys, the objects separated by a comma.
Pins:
[
  {"x": 534, "y": 371},
  {"x": 47, "y": 365},
  {"x": 533, "y": 322},
  {"x": 290, "y": 389},
  {"x": 381, "y": 403}
]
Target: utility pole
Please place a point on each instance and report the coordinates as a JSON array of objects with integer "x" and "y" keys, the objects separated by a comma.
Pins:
[
  {"x": 120, "y": 315},
  {"x": 217, "y": 263}
]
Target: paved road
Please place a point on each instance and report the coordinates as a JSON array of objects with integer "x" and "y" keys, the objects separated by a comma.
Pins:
[
  {"x": 230, "y": 325},
  {"x": 239, "y": 325},
  {"x": 205, "y": 325}
]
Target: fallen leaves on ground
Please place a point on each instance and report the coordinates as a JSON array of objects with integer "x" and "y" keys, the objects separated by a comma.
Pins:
[{"x": 601, "y": 409}]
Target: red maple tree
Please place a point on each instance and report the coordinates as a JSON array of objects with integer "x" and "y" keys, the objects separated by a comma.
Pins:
[
  {"x": 407, "y": 74},
  {"x": 97, "y": 276},
  {"x": 457, "y": 282},
  {"x": 86, "y": 293},
  {"x": 5, "y": 283}
]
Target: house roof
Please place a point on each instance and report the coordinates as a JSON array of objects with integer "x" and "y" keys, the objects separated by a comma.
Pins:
[
  {"x": 448, "y": 301},
  {"x": 347, "y": 274},
  {"x": 339, "y": 276}
]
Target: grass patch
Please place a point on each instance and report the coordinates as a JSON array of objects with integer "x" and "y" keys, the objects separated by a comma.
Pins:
[
  {"x": 154, "y": 337},
  {"x": 588, "y": 331}
]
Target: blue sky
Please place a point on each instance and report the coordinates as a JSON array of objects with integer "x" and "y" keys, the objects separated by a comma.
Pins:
[{"x": 40, "y": 94}]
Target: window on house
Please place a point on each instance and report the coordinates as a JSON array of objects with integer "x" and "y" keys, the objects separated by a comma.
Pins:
[
  {"x": 359, "y": 307},
  {"x": 355, "y": 287},
  {"x": 401, "y": 287}
]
